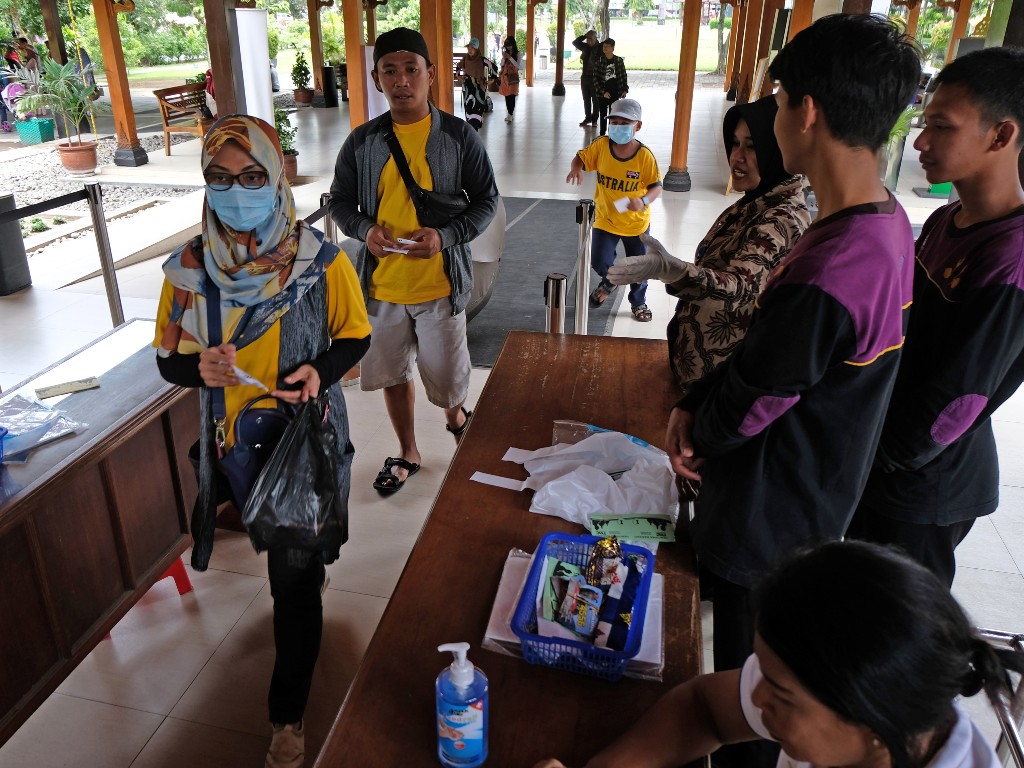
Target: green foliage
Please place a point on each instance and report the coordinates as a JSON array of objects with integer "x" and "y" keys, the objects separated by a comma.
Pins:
[
  {"x": 332, "y": 38},
  {"x": 285, "y": 132},
  {"x": 199, "y": 78},
  {"x": 26, "y": 16},
  {"x": 296, "y": 34},
  {"x": 146, "y": 39},
  {"x": 579, "y": 27},
  {"x": 521, "y": 42},
  {"x": 57, "y": 220},
  {"x": 901, "y": 129},
  {"x": 713, "y": 23},
  {"x": 37, "y": 225},
  {"x": 62, "y": 91},
  {"x": 300, "y": 71},
  {"x": 273, "y": 41},
  {"x": 398, "y": 14}
]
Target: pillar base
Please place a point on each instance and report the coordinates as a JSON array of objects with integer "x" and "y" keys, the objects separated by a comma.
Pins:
[
  {"x": 677, "y": 181},
  {"x": 558, "y": 89},
  {"x": 130, "y": 157}
]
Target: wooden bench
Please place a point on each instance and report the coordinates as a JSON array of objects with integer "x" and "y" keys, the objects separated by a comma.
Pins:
[{"x": 183, "y": 108}]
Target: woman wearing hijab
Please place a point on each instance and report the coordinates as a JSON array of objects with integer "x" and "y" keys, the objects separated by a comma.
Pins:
[
  {"x": 733, "y": 261},
  {"x": 293, "y": 319},
  {"x": 508, "y": 77}
]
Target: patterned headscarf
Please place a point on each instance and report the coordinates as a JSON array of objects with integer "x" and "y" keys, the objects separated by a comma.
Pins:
[{"x": 261, "y": 274}]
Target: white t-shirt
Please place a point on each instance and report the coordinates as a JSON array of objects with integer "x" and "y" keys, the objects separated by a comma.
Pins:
[{"x": 965, "y": 748}]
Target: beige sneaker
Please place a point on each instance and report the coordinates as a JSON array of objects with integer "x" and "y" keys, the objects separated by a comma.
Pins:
[{"x": 288, "y": 747}]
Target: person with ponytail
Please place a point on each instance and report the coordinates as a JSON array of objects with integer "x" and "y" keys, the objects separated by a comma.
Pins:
[{"x": 859, "y": 659}]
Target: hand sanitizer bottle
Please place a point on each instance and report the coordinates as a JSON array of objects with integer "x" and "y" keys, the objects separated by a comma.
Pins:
[{"x": 461, "y": 711}]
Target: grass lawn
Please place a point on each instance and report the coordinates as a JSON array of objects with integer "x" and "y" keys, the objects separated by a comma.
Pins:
[{"x": 643, "y": 46}]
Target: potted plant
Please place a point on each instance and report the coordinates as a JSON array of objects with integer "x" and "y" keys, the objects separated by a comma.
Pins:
[
  {"x": 891, "y": 156},
  {"x": 66, "y": 94},
  {"x": 300, "y": 81},
  {"x": 286, "y": 134}
]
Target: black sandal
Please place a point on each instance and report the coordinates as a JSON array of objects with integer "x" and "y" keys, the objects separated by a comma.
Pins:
[
  {"x": 387, "y": 481},
  {"x": 642, "y": 313},
  {"x": 457, "y": 431}
]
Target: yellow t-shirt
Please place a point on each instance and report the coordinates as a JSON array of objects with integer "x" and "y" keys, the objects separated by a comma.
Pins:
[
  {"x": 346, "y": 319},
  {"x": 617, "y": 178},
  {"x": 401, "y": 279}
]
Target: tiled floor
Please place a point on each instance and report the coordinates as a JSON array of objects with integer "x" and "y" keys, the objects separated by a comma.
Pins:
[{"x": 182, "y": 680}]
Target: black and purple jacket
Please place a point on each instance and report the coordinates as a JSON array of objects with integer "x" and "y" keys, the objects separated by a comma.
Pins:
[
  {"x": 963, "y": 358},
  {"x": 789, "y": 424}
]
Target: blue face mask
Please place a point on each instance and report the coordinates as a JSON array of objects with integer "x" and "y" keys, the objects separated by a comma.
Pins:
[
  {"x": 621, "y": 134},
  {"x": 240, "y": 208}
]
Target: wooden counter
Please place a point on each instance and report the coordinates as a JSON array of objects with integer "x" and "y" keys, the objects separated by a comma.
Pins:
[
  {"x": 89, "y": 522},
  {"x": 449, "y": 583}
]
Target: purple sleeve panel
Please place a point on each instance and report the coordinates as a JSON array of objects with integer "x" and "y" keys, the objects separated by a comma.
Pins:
[
  {"x": 957, "y": 417},
  {"x": 866, "y": 263},
  {"x": 764, "y": 411}
]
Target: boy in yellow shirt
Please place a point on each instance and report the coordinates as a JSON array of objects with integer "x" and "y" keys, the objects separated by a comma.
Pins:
[{"x": 628, "y": 181}]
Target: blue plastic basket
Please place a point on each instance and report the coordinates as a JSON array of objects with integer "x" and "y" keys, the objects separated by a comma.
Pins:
[{"x": 574, "y": 655}]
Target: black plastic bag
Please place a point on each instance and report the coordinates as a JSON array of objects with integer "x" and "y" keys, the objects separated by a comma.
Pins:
[{"x": 296, "y": 502}]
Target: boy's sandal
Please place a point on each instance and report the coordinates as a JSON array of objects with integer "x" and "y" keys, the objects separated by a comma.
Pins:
[
  {"x": 387, "y": 481},
  {"x": 642, "y": 313},
  {"x": 600, "y": 295},
  {"x": 457, "y": 431}
]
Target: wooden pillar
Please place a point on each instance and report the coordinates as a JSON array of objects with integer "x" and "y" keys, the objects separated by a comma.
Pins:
[
  {"x": 54, "y": 36},
  {"x": 732, "y": 67},
  {"x": 678, "y": 177},
  {"x": 510, "y": 19},
  {"x": 748, "y": 60},
  {"x": 436, "y": 27},
  {"x": 316, "y": 45},
  {"x": 370, "y": 10},
  {"x": 767, "y": 25},
  {"x": 219, "y": 40},
  {"x": 355, "y": 59},
  {"x": 803, "y": 12},
  {"x": 129, "y": 152},
  {"x": 530, "y": 10},
  {"x": 558, "y": 89},
  {"x": 478, "y": 23},
  {"x": 857, "y": 6},
  {"x": 913, "y": 14},
  {"x": 963, "y": 16}
]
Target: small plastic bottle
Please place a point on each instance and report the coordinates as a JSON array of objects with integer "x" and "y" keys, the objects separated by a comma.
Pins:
[{"x": 461, "y": 711}]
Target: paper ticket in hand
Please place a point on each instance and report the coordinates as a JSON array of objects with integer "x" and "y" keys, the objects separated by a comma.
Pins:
[
  {"x": 246, "y": 378},
  {"x": 403, "y": 241},
  {"x": 622, "y": 204}
]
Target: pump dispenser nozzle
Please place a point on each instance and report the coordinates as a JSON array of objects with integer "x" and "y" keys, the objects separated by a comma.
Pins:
[{"x": 461, "y": 668}]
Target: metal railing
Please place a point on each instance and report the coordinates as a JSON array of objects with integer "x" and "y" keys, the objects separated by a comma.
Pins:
[
  {"x": 1010, "y": 745},
  {"x": 330, "y": 228},
  {"x": 585, "y": 218},
  {"x": 93, "y": 194}
]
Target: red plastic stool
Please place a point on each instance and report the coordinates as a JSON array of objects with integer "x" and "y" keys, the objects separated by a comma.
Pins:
[{"x": 181, "y": 580}]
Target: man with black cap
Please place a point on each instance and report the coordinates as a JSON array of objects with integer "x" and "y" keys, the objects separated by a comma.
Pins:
[{"x": 416, "y": 279}]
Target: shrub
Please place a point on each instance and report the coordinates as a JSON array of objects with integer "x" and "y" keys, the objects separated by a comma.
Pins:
[
  {"x": 273, "y": 41},
  {"x": 37, "y": 225}
]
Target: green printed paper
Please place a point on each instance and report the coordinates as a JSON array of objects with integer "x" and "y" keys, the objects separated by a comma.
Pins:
[{"x": 634, "y": 527}]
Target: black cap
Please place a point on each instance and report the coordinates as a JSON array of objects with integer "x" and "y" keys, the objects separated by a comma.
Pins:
[{"x": 400, "y": 39}]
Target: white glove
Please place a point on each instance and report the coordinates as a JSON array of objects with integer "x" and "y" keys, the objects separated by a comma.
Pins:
[{"x": 656, "y": 264}]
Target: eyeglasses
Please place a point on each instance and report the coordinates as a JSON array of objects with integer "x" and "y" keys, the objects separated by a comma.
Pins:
[{"x": 246, "y": 180}]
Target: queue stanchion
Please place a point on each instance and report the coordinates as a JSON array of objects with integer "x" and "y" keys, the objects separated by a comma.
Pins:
[
  {"x": 585, "y": 218},
  {"x": 554, "y": 300},
  {"x": 99, "y": 226},
  {"x": 330, "y": 228}
]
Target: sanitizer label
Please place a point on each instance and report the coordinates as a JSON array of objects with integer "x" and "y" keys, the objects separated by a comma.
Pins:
[{"x": 460, "y": 733}]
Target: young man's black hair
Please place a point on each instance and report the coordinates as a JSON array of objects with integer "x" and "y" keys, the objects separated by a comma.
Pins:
[
  {"x": 848, "y": 64},
  {"x": 984, "y": 76}
]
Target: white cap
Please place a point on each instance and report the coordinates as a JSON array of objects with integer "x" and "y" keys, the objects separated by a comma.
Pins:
[{"x": 626, "y": 108}]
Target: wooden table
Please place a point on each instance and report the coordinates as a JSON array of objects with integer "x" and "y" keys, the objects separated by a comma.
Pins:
[
  {"x": 449, "y": 583},
  {"x": 89, "y": 522}
]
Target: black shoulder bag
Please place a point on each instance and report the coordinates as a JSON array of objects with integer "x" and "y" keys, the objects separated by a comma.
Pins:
[
  {"x": 257, "y": 430},
  {"x": 433, "y": 209}
]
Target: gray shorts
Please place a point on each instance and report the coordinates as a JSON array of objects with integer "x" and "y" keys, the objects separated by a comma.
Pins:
[{"x": 426, "y": 334}]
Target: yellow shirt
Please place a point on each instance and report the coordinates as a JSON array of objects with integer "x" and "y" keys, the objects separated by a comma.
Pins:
[
  {"x": 401, "y": 279},
  {"x": 346, "y": 319},
  {"x": 617, "y": 178}
]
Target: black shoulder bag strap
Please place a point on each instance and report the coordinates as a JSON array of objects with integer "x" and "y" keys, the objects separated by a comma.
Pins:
[
  {"x": 214, "y": 333},
  {"x": 400, "y": 162}
]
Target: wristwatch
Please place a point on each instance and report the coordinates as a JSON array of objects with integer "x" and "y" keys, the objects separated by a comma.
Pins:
[{"x": 645, "y": 201}]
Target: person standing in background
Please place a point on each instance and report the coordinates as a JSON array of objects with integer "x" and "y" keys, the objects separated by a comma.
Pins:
[
  {"x": 586, "y": 44},
  {"x": 509, "y": 76},
  {"x": 610, "y": 80}
]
